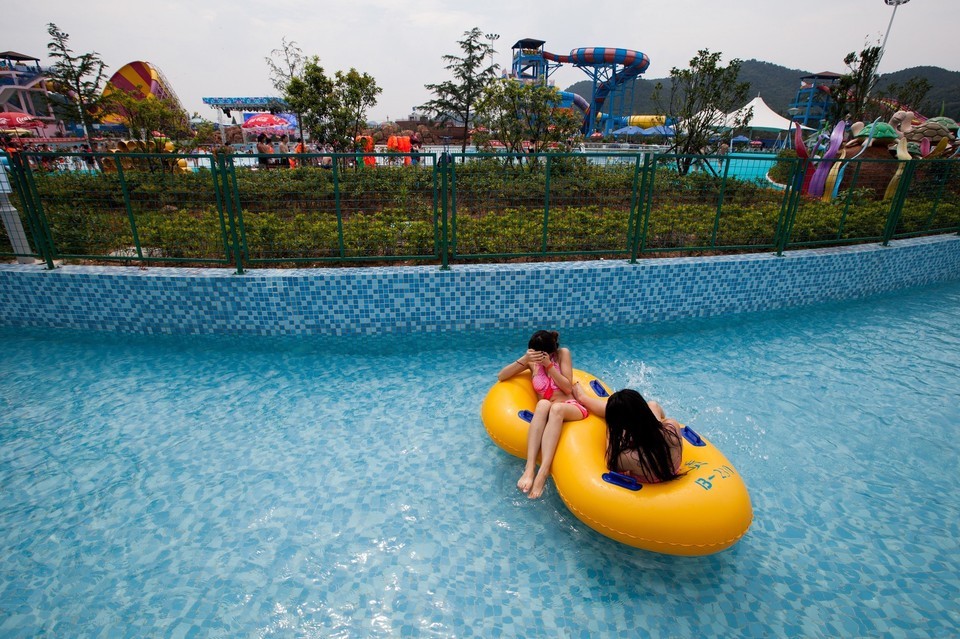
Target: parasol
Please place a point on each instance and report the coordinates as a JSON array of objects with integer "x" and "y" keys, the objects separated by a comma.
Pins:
[
  {"x": 266, "y": 121},
  {"x": 14, "y": 120}
]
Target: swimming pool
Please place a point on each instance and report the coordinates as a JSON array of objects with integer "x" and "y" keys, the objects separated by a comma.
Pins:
[
  {"x": 345, "y": 486},
  {"x": 747, "y": 166}
]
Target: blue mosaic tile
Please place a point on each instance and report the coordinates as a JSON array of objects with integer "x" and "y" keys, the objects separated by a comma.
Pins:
[{"x": 373, "y": 300}]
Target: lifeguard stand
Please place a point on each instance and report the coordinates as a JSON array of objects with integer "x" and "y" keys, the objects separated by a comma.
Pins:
[{"x": 811, "y": 106}]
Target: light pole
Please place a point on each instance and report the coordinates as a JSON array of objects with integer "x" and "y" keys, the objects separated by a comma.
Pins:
[
  {"x": 491, "y": 38},
  {"x": 875, "y": 77},
  {"x": 895, "y": 4}
]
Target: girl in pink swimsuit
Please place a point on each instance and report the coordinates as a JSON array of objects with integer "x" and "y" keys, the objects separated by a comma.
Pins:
[{"x": 551, "y": 369}]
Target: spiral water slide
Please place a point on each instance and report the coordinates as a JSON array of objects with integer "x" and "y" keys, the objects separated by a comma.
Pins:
[{"x": 632, "y": 64}]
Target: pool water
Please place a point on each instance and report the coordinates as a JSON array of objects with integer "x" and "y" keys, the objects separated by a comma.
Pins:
[
  {"x": 747, "y": 166},
  {"x": 208, "y": 487}
]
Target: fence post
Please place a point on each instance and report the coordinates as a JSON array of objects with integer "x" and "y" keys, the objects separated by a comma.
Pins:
[
  {"x": 30, "y": 200},
  {"x": 639, "y": 191},
  {"x": 129, "y": 207},
  {"x": 452, "y": 213},
  {"x": 790, "y": 205},
  {"x": 230, "y": 202},
  {"x": 220, "y": 194},
  {"x": 647, "y": 188},
  {"x": 720, "y": 196},
  {"x": 896, "y": 204},
  {"x": 546, "y": 208},
  {"x": 337, "y": 206},
  {"x": 11, "y": 221},
  {"x": 445, "y": 166}
]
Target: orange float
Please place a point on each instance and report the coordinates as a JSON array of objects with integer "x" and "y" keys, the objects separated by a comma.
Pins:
[{"x": 366, "y": 146}]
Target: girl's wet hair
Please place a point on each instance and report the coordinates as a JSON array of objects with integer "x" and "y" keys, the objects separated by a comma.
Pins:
[
  {"x": 631, "y": 425},
  {"x": 546, "y": 341}
]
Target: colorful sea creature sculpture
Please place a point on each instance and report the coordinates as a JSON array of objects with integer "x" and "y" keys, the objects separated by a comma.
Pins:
[
  {"x": 903, "y": 155},
  {"x": 931, "y": 130},
  {"x": 950, "y": 123},
  {"x": 917, "y": 131},
  {"x": 903, "y": 121},
  {"x": 876, "y": 140},
  {"x": 825, "y": 163},
  {"x": 855, "y": 129},
  {"x": 833, "y": 178},
  {"x": 879, "y": 131}
]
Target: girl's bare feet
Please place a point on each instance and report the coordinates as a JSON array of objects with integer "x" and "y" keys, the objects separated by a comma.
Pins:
[
  {"x": 526, "y": 480},
  {"x": 538, "y": 485}
]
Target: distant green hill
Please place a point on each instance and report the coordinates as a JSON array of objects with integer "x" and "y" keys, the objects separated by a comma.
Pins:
[
  {"x": 778, "y": 85},
  {"x": 944, "y": 96}
]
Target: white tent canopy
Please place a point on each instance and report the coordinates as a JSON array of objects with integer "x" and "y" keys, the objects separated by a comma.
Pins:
[
  {"x": 764, "y": 118},
  {"x": 713, "y": 118}
]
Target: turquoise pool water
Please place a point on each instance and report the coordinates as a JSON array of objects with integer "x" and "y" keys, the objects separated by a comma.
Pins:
[
  {"x": 748, "y": 166},
  {"x": 346, "y": 487}
]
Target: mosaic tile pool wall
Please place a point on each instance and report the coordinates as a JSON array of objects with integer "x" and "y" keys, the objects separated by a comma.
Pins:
[{"x": 356, "y": 301}]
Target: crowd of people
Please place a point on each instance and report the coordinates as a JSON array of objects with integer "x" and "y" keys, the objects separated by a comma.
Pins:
[
  {"x": 268, "y": 152},
  {"x": 71, "y": 157},
  {"x": 275, "y": 152},
  {"x": 642, "y": 442}
]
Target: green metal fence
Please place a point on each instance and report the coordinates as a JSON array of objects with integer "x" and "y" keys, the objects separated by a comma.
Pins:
[{"x": 234, "y": 210}]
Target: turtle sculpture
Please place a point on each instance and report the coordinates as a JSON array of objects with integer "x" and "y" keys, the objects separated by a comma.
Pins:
[
  {"x": 881, "y": 140},
  {"x": 915, "y": 131}
]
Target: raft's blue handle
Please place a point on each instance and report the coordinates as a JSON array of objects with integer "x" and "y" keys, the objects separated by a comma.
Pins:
[
  {"x": 525, "y": 415},
  {"x": 624, "y": 481},
  {"x": 691, "y": 436},
  {"x": 598, "y": 388}
]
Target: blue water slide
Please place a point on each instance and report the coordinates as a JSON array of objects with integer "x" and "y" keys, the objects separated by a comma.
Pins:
[{"x": 632, "y": 64}]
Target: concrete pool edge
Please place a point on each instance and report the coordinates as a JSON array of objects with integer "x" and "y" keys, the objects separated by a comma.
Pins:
[{"x": 412, "y": 299}]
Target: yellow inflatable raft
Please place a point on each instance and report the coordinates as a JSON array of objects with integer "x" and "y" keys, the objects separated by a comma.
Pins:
[{"x": 704, "y": 511}]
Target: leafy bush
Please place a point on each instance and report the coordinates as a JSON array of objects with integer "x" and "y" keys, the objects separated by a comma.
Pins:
[
  {"x": 498, "y": 206},
  {"x": 180, "y": 234},
  {"x": 783, "y": 168}
]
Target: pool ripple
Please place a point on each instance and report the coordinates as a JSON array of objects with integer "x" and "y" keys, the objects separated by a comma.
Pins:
[{"x": 219, "y": 487}]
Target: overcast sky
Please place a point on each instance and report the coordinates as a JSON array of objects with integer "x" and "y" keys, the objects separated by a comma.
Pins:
[{"x": 215, "y": 48}]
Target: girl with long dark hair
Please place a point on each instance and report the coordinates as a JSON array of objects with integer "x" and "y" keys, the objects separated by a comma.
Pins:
[{"x": 641, "y": 441}]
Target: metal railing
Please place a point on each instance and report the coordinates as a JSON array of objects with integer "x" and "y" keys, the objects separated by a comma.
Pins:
[{"x": 239, "y": 211}]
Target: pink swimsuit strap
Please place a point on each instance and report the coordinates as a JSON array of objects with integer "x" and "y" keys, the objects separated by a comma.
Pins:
[{"x": 583, "y": 409}]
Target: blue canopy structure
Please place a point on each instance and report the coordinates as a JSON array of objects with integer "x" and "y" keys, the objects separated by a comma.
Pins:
[{"x": 628, "y": 130}]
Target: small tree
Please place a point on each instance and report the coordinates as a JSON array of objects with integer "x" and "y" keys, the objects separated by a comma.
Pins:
[
  {"x": 310, "y": 95},
  {"x": 204, "y": 134},
  {"x": 912, "y": 95},
  {"x": 353, "y": 94},
  {"x": 80, "y": 78},
  {"x": 699, "y": 98},
  {"x": 455, "y": 99},
  {"x": 515, "y": 112},
  {"x": 143, "y": 116},
  {"x": 853, "y": 89},
  {"x": 285, "y": 64}
]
